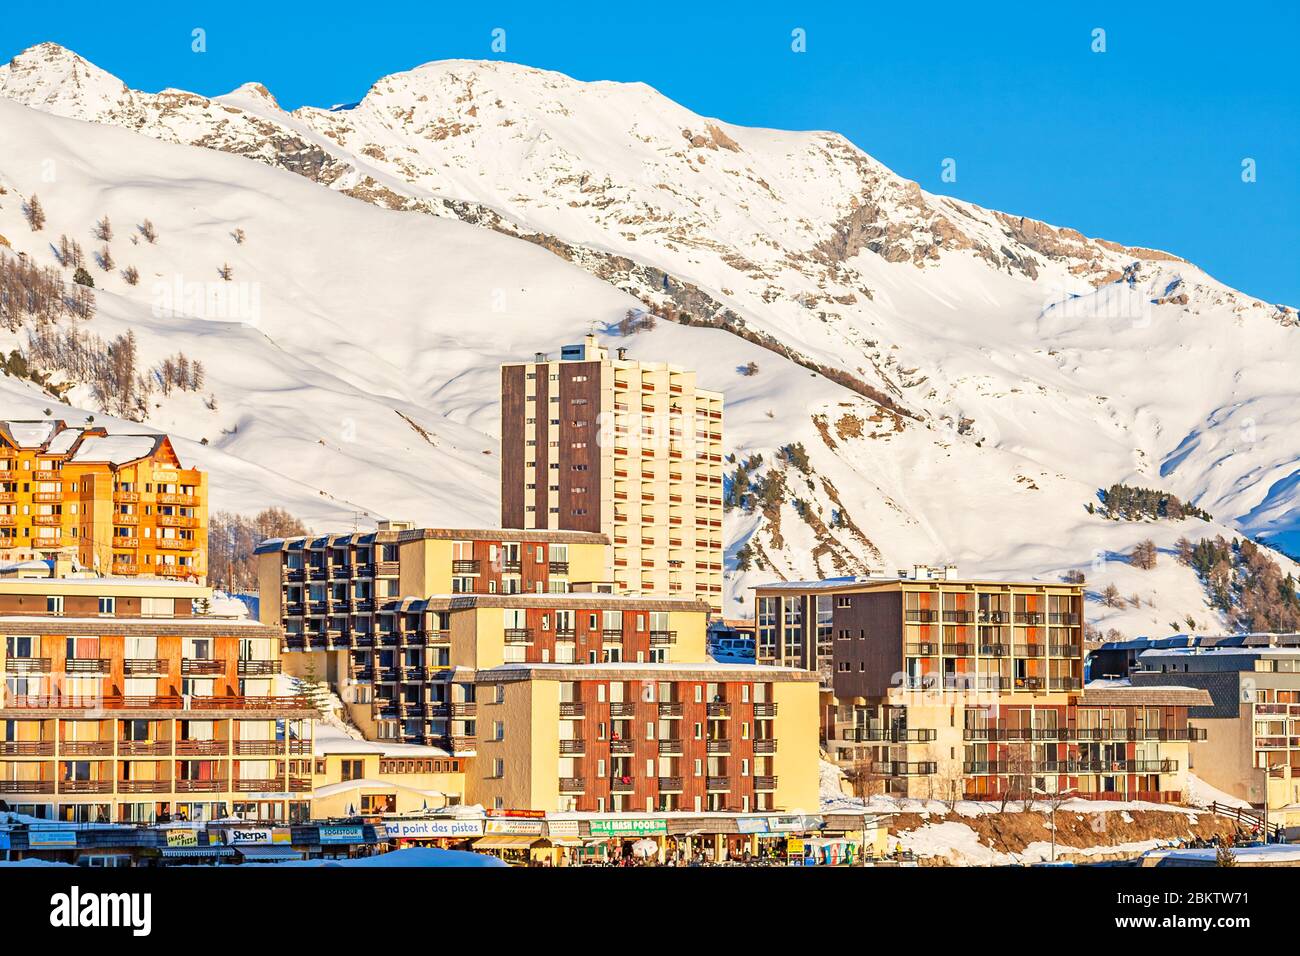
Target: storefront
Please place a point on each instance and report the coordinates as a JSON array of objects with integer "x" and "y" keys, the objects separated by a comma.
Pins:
[{"x": 443, "y": 833}]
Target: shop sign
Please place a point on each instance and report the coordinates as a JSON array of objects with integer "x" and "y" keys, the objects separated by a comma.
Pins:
[
  {"x": 433, "y": 829},
  {"x": 524, "y": 814},
  {"x": 51, "y": 838},
  {"x": 794, "y": 847},
  {"x": 627, "y": 827},
  {"x": 257, "y": 836},
  {"x": 514, "y": 827},
  {"x": 185, "y": 837},
  {"x": 562, "y": 828},
  {"x": 344, "y": 834},
  {"x": 752, "y": 825},
  {"x": 794, "y": 823}
]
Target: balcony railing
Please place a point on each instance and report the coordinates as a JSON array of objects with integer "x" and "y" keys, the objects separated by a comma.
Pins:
[
  {"x": 195, "y": 667},
  {"x": 566, "y": 634},
  {"x": 86, "y": 665},
  {"x": 659, "y": 638},
  {"x": 622, "y": 708},
  {"x": 611, "y": 636},
  {"x": 670, "y": 747},
  {"x": 622, "y": 785},
  {"x": 558, "y": 567},
  {"x": 717, "y": 783},
  {"x": 202, "y": 748},
  {"x": 622, "y": 747},
  {"x": 26, "y": 748},
  {"x": 670, "y": 784},
  {"x": 85, "y": 786},
  {"x": 134, "y": 666},
  {"x": 27, "y": 665},
  {"x": 144, "y": 748},
  {"x": 518, "y": 635},
  {"x": 259, "y": 748},
  {"x": 904, "y": 768},
  {"x": 249, "y": 668},
  {"x": 765, "y": 710},
  {"x": 26, "y": 786},
  {"x": 572, "y": 785},
  {"x": 765, "y": 782},
  {"x": 669, "y": 708},
  {"x": 574, "y": 708},
  {"x": 163, "y": 785},
  {"x": 216, "y": 785},
  {"x": 464, "y": 566},
  {"x": 258, "y": 785},
  {"x": 897, "y": 735},
  {"x": 573, "y": 748},
  {"x": 86, "y": 748},
  {"x": 720, "y": 709},
  {"x": 464, "y": 709}
]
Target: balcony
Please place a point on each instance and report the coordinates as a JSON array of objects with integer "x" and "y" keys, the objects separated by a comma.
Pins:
[
  {"x": 558, "y": 567},
  {"x": 923, "y": 649},
  {"x": 258, "y": 785},
  {"x": 671, "y": 747},
  {"x": 26, "y": 786},
  {"x": 192, "y": 667},
  {"x": 921, "y": 616},
  {"x": 765, "y": 783},
  {"x": 622, "y": 747},
  {"x": 1065, "y": 650},
  {"x": 26, "y": 748},
  {"x": 566, "y": 634},
  {"x": 144, "y": 786},
  {"x": 1033, "y": 618},
  {"x": 719, "y": 709},
  {"x": 463, "y": 566},
  {"x": 86, "y": 665},
  {"x": 518, "y": 635},
  {"x": 259, "y": 748},
  {"x": 622, "y": 708},
  {"x": 144, "y": 748},
  {"x": 717, "y": 783},
  {"x": 251, "y": 668},
  {"x": 85, "y": 786},
  {"x": 171, "y": 498},
  {"x": 464, "y": 709},
  {"x": 622, "y": 785},
  {"x": 719, "y": 747},
  {"x": 573, "y": 748},
  {"x": 765, "y": 710},
  {"x": 86, "y": 748},
  {"x": 27, "y": 665},
  {"x": 904, "y": 768},
  {"x": 670, "y": 709},
  {"x": 661, "y": 638},
  {"x": 611, "y": 636},
  {"x": 511, "y": 567},
  {"x": 572, "y": 785},
  {"x": 141, "y": 666},
  {"x": 573, "y": 708},
  {"x": 896, "y": 735},
  {"x": 765, "y": 746},
  {"x": 202, "y": 748}
]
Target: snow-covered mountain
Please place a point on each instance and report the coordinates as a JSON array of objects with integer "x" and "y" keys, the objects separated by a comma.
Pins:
[{"x": 962, "y": 380}]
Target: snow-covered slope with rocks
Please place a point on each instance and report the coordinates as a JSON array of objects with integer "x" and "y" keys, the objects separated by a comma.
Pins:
[{"x": 962, "y": 380}]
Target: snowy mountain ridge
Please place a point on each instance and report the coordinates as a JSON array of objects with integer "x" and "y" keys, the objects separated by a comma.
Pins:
[{"x": 962, "y": 380}]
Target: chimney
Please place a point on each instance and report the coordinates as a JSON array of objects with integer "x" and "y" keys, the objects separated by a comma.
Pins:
[
  {"x": 539, "y": 357},
  {"x": 622, "y": 354}
]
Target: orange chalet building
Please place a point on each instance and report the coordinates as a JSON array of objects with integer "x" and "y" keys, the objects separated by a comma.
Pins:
[{"x": 120, "y": 504}]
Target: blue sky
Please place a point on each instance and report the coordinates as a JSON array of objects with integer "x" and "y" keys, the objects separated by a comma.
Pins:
[{"x": 1142, "y": 143}]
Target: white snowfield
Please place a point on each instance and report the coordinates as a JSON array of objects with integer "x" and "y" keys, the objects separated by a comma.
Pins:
[{"x": 353, "y": 357}]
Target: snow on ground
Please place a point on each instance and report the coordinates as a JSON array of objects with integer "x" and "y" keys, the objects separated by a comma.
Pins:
[
  {"x": 352, "y": 334},
  {"x": 1201, "y": 794}
]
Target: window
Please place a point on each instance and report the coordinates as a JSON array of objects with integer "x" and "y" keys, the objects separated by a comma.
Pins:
[
  {"x": 54, "y": 604},
  {"x": 498, "y": 768},
  {"x": 107, "y": 605},
  {"x": 351, "y": 769}
]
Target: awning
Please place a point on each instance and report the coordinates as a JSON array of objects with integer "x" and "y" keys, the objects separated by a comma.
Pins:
[
  {"x": 274, "y": 853},
  {"x": 563, "y": 841},
  {"x": 505, "y": 842},
  {"x": 175, "y": 851}
]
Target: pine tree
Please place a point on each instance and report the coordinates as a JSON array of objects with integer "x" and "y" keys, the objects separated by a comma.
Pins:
[{"x": 34, "y": 213}]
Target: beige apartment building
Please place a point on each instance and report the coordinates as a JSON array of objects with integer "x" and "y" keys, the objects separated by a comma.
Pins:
[{"x": 625, "y": 448}]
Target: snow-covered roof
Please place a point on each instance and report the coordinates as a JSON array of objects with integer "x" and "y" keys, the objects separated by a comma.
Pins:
[
  {"x": 607, "y": 669},
  {"x": 30, "y": 434},
  {"x": 330, "y": 739},
  {"x": 62, "y": 443},
  {"x": 345, "y": 786},
  {"x": 115, "y": 449}
]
